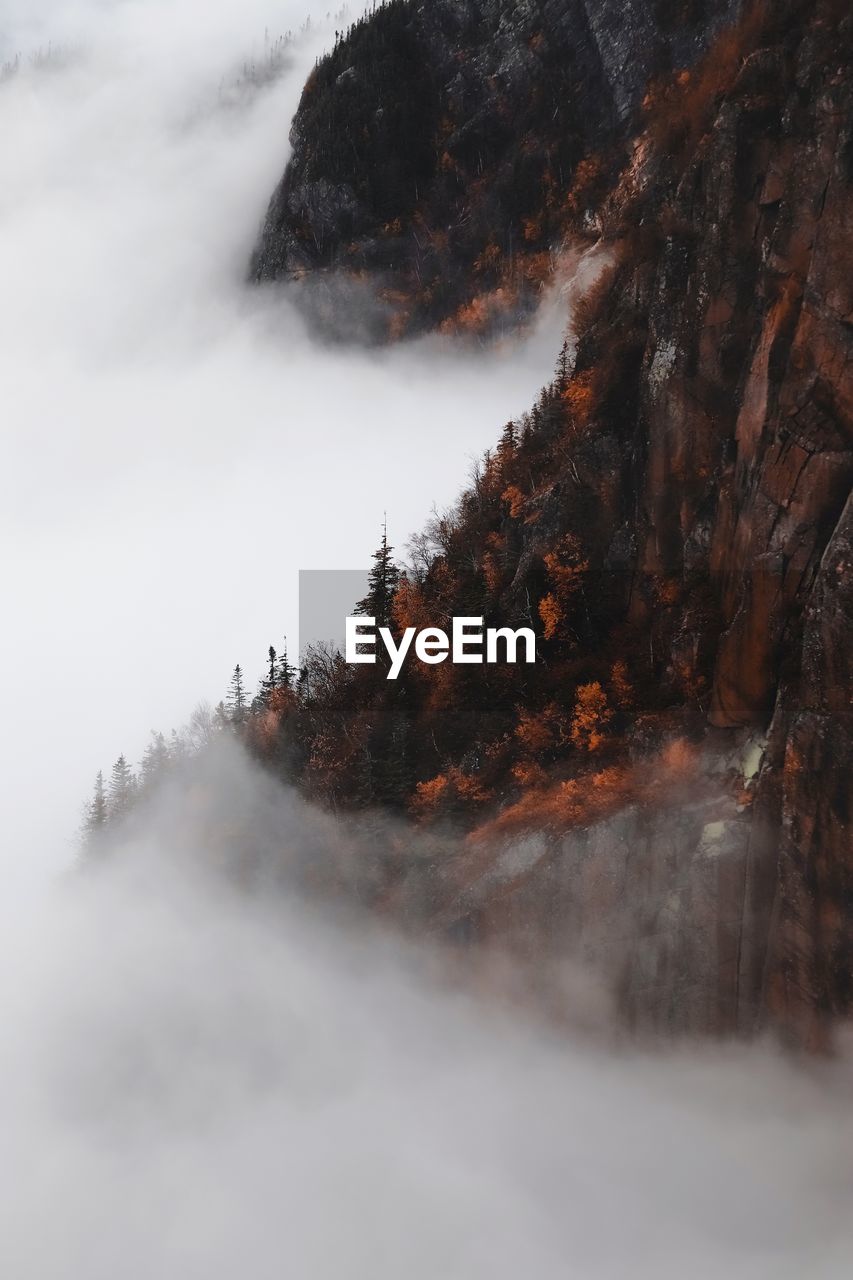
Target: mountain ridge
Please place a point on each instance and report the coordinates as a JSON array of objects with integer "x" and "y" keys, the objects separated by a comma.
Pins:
[
  {"x": 673, "y": 517},
  {"x": 442, "y": 149}
]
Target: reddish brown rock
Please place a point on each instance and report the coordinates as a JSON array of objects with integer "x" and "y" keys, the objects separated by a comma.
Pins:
[{"x": 731, "y": 920}]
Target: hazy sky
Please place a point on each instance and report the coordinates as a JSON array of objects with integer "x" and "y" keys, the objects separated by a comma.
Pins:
[{"x": 175, "y": 447}]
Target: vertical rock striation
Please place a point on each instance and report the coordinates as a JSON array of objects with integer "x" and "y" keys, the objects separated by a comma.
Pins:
[{"x": 710, "y": 483}]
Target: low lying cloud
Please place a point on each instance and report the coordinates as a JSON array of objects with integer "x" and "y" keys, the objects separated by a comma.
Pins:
[
  {"x": 205, "y": 1075},
  {"x": 176, "y": 445}
]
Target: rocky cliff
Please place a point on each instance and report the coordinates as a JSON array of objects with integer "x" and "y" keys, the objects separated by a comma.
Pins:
[
  {"x": 443, "y": 148},
  {"x": 670, "y": 791},
  {"x": 747, "y": 428}
]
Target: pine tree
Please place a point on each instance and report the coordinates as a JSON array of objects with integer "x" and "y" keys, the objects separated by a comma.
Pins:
[
  {"x": 236, "y": 702},
  {"x": 507, "y": 447},
  {"x": 97, "y": 812},
  {"x": 382, "y": 583},
  {"x": 268, "y": 684},
  {"x": 155, "y": 759},
  {"x": 564, "y": 367},
  {"x": 272, "y": 671},
  {"x": 122, "y": 789},
  {"x": 178, "y": 747},
  {"x": 285, "y": 673}
]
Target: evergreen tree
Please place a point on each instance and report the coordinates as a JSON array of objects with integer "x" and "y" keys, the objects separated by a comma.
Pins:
[
  {"x": 285, "y": 673},
  {"x": 122, "y": 789},
  {"x": 382, "y": 583},
  {"x": 268, "y": 684},
  {"x": 272, "y": 670},
  {"x": 236, "y": 702},
  {"x": 390, "y": 765},
  {"x": 97, "y": 812},
  {"x": 506, "y": 454},
  {"x": 155, "y": 759},
  {"x": 564, "y": 367}
]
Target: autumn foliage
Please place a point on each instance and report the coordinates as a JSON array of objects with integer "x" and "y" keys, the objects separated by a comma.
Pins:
[
  {"x": 680, "y": 105},
  {"x": 544, "y": 536},
  {"x": 591, "y": 717}
]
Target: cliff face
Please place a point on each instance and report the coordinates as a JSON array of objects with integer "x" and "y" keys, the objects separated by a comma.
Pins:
[
  {"x": 433, "y": 149},
  {"x": 684, "y": 486},
  {"x": 652, "y": 900},
  {"x": 748, "y": 407}
]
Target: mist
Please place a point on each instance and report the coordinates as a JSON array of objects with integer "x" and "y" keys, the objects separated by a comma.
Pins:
[
  {"x": 205, "y": 1074},
  {"x": 176, "y": 445},
  {"x": 204, "y": 1070}
]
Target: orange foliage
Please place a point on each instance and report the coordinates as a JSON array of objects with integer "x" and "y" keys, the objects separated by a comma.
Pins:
[
  {"x": 492, "y": 572},
  {"x": 263, "y": 727},
  {"x": 579, "y": 397},
  {"x": 513, "y": 495},
  {"x": 428, "y": 795},
  {"x": 440, "y": 793},
  {"x": 262, "y": 731},
  {"x": 539, "y": 731},
  {"x": 590, "y": 797},
  {"x": 479, "y": 314},
  {"x": 551, "y": 615},
  {"x": 591, "y": 717},
  {"x": 681, "y": 106},
  {"x": 586, "y": 179},
  {"x": 566, "y": 567},
  {"x": 620, "y": 685},
  {"x": 281, "y": 701},
  {"x": 469, "y": 788},
  {"x": 409, "y": 608},
  {"x": 563, "y": 805},
  {"x": 528, "y": 773}
]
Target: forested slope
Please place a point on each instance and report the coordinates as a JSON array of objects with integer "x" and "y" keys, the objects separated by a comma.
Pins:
[
  {"x": 669, "y": 786},
  {"x": 443, "y": 149}
]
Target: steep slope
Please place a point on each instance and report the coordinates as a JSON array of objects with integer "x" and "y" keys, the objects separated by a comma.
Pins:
[
  {"x": 666, "y": 792},
  {"x": 748, "y": 404},
  {"x": 674, "y": 518},
  {"x": 445, "y": 147}
]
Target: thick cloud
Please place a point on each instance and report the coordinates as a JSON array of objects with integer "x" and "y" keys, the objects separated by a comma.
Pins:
[
  {"x": 203, "y": 1081},
  {"x": 175, "y": 446},
  {"x": 200, "y": 1080}
]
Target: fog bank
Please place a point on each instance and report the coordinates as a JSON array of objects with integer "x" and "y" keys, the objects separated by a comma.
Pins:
[
  {"x": 175, "y": 445},
  {"x": 206, "y": 1075},
  {"x": 202, "y": 1080}
]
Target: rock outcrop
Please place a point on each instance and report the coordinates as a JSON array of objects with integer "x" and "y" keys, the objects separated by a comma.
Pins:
[
  {"x": 433, "y": 147},
  {"x": 743, "y": 455},
  {"x": 748, "y": 401},
  {"x": 650, "y": 901},
  {"x": 697, "y": 460}
]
